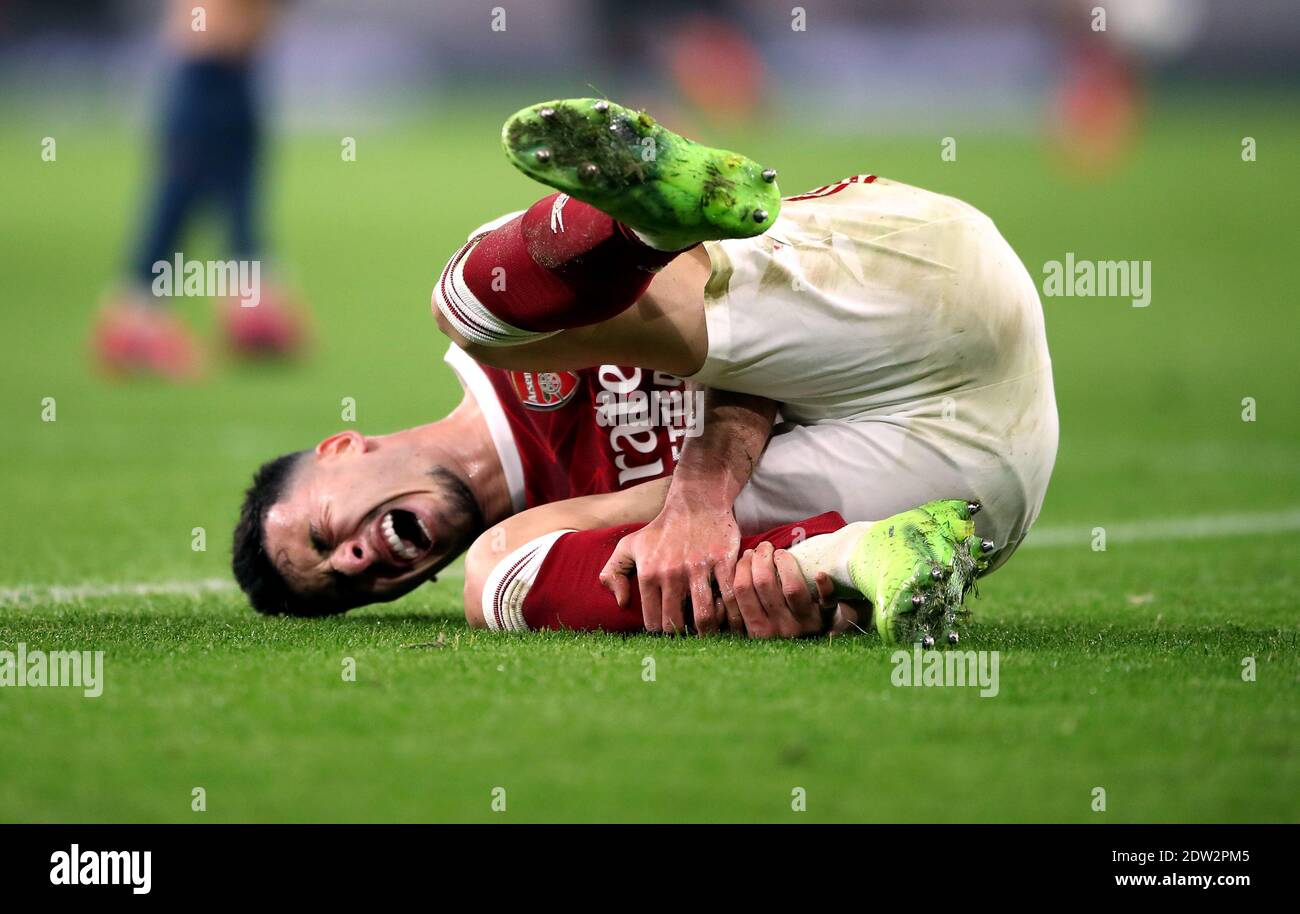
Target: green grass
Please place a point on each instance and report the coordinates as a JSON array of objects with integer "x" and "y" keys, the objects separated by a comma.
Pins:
[{"x": 1119, "y": 669}]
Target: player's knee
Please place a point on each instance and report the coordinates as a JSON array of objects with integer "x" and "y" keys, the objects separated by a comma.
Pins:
[
  {"x": 447, "y": 328},
  {"x": 481, "y": 558},
  {"x": 484, "y": 355},
  {"x": 509, "y": 358}
]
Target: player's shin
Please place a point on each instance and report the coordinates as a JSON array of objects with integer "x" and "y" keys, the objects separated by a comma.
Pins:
[
  {"x": 553, "y": 582},
  {"x": 830, "y": 553}
]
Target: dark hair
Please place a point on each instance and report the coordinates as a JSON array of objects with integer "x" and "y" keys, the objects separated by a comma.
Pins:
[{"x": 255, "y": 571}]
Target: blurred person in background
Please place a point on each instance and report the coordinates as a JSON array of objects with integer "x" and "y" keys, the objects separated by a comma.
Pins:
[
  {"x": 210, "y": 152},
  {"x": 1097, "y": 104}
]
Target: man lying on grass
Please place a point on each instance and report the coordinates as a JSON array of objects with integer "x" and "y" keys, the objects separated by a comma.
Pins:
[{"x": 895, "y": 327}]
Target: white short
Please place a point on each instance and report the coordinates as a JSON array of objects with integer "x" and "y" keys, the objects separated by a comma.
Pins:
[{"x": 905, "y": 341}]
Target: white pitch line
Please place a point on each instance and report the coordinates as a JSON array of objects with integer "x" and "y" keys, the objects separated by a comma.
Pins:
[
  {"x": 1203, "y": 527},
  {"x": 25, "y": 595},
  {"x": 1208, "y": 526},
  {"x": 20, "y": 595}
]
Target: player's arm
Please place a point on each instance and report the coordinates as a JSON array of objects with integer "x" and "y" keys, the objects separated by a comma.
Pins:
[{"x": 693, "y": 541}]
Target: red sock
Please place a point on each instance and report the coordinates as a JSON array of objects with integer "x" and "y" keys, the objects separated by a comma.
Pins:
[
  {"x": 561, "y": 264},
  {"x": 567, "y": 593}
]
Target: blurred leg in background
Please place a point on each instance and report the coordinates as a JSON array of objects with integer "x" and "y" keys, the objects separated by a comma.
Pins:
[{"x": 209, "y": 155}]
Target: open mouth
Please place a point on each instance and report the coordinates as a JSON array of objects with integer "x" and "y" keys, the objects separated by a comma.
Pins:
[{"x": 405, "y": 534}]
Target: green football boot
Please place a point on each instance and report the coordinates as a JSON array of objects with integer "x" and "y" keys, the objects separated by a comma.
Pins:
[
  {"x": 674, "y": 192},
  {"x": 916, "y": 567}
]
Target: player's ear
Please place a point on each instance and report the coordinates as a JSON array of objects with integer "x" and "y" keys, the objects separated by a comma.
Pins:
[{"x": 342, "y": 444}]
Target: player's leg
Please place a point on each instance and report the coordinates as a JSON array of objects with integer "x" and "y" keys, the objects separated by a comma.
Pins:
[
  {"x": 551, "y": 580},
  {"x": 873, "y": 469},
  {"x": 542, "y": 568},
  {"x": 559, "y": 264},
  {"x": 514, "y": 549},
  {"x": 907, "y": 352},
  {"x": 136, "y": 330},
  {"x": 914, "y": 568},
  {"x": 567, "y": 264},
  {"x": 275, "y": 325},
  {"x": 666, "y": 327},
  {"x": 673, "y": 192}
]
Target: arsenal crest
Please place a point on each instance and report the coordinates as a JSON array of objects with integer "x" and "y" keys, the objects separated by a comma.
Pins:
[{"x": 544, "y": 389}]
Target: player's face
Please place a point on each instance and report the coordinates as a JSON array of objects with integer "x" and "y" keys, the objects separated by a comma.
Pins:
[{"x": 363, "y": 522}]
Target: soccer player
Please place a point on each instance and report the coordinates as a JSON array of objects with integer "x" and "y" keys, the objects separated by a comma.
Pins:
[
  {"x": 210, "y": 155},
  {"x": 897, "y": 330}
]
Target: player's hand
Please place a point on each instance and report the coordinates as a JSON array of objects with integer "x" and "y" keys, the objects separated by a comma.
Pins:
[
  {"x": 677, "y": 556},
  {"x": 772, "y": 599}
]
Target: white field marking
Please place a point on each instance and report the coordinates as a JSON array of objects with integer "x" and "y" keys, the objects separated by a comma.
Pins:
[
  {"x": 25, "y": 595},
  {"x": 21, "y": 595},
  {"x": 1203, "y": 527},
  {"x": 1207, "y": 526}
]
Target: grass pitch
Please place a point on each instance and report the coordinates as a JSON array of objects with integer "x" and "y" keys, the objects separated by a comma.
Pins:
[{"x": 1119, "y": 669}]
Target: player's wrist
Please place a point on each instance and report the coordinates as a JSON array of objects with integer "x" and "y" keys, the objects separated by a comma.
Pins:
[
  {"x": 702, "y": 494},
  {"x": 711, "y": 472}
]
